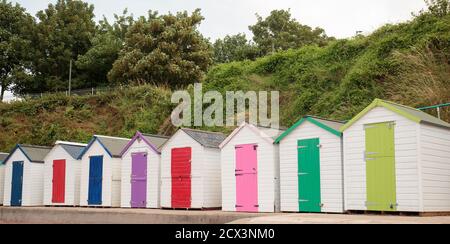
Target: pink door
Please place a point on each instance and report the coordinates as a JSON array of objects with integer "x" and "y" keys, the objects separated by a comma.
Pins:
[{"x": 246, "y": 178}]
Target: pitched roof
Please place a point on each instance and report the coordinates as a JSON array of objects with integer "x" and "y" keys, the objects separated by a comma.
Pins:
[
  {"x": 3, "y": 156},
  {"x": 413, "y": 114},
  {"x": 35, "y": 154},
  {"x": 268, "y": 134},
  {"x": 73, "y": 149},
  {"x": 112, "y": 145},
  {"x": 331, "y": 126},
  {"x": 154, "y": 141},
  {"x": 205, "y": 138}
]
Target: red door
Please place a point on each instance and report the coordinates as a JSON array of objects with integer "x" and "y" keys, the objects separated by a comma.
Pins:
[
  {"x": 59, "y": 181},
  {"x": 181, "y": 177}
]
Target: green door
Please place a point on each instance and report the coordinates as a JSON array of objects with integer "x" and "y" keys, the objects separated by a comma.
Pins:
[
  {"x": 380, "y": 167},
  {"x": 309, "y": 175}
]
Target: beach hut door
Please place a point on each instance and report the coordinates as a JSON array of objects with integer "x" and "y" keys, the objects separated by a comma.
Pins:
[
  {"x": 181, "y": 177},
  {"x": 59, "y": 181},
  {"x": 246, "y": 178},
  {"x": 380, "y": 167},
  {"x": 139, "y": 180},
  {"x": 17, "y": 183},
  {"x": 309, "y": 175},
  {"x": 95, "y": 180}
]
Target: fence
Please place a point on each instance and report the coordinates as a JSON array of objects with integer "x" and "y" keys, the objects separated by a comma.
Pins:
[{"x": 77, "y": 92}]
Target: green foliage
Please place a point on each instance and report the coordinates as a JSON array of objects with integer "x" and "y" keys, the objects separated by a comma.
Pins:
[
  {"x": 58, "y": 117},
  {"x": 15, "y": 42},
  {"x": 106, "y": 45},
  {"x": 163, "y": 49},
  {"x": 279, "y": 31},
  {"x": 341, "y": 78},
  {"x": 234, "y": 48},
  {"x": 63, "y": 32}
]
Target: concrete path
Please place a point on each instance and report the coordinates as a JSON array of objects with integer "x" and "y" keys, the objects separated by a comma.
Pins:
[
  {"x": 342, "y": 219},
  {"x": 44, "y": 215},
  {"x": 62, "y": 215}
]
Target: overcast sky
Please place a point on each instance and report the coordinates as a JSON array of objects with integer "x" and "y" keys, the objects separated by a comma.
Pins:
[{"x": 339, "y": 18}]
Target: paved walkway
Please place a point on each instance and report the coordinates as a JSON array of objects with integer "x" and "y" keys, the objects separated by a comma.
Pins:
[
  {"x": 158, "y": 216},
  {"x": 342, "y": 219}
]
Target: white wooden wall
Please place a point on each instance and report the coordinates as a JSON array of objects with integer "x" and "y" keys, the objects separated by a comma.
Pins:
[
  {"x": 2, "y": 182},
  {"x": 212, "y": 189},
  {"x": 179, "y": 140},
  {"x": 111, "y": 177},
  {"x": 331, "y": 180},
  {"x": 435, "y": 167},
  {"x": 153, "y": 175},
  {"x": 406, "y": 161},
  {"x": 72, "y": 190},
  {"x": 267, "y": 171},
  {"x": 33, "y": 181}
]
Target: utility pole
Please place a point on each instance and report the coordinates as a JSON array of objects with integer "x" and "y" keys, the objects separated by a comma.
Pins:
[{"x": 70, "y": 77}]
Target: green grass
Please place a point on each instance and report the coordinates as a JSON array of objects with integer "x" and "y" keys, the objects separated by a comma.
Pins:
[{"x": 408, "y": 63}]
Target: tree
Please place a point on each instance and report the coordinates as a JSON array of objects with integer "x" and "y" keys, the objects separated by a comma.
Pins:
[
  {"x": 438, "y": 7},
  {"x": 279, "y": 31},
  {"x": 106, "y": 45},
  {"x": 63, "y": 32},
  {"x": 15, "y": 43},
  {"x": 234, "y": 48},
  {"x": 163, "y": 49}
]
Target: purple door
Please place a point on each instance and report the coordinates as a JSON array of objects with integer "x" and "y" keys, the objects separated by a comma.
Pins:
[{"x": 139, "y": 180}]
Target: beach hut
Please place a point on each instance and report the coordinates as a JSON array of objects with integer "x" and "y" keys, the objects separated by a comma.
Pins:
[
  {"x": 250, "y": 170},
  {"x": 3, "y": 156},
  {"x": 62, "y": 174},
  {"x": 24, "y": 176},
  {"x": 141, "y": 160},
  {"x": 311, "y": 166},
  {"x": 396, "y": 158},
  {"x": 190, "y": 170},
  {"x": 100, "y": 171}
]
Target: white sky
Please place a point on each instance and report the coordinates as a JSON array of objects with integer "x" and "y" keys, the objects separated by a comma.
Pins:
[{"x": 339, "y": 18}]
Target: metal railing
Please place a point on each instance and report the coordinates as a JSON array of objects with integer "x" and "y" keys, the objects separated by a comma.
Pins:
[
  {"x": 437, "y": 107},
  {"x": 78, "y": 92}
]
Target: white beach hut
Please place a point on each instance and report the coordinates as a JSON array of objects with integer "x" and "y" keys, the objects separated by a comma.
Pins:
[
  {"x": 311, "y": 167},
  {"x": 190, "y": 170},
  {"x": 396, "y": 158},
  {"x": 3, "y": 156},
  {"x": 141, "y": 180},
  {"x": 62, "y": 174},
  {"x": 24, "y": 176},
  {"x": 250, "y": 170},
  {"x": 100, "y": 180}
]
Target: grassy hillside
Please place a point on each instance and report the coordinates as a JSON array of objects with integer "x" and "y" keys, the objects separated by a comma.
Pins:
[
  {"x": 408, "y": 63},
  {"x": 58, "y": 117}
]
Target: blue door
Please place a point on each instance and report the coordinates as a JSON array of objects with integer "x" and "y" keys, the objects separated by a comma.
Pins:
[
  {"x": 95, "y": 180},
  {"x": 17, "y": 183}
]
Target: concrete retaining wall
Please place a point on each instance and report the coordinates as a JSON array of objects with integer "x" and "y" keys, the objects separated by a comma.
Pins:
[{"x": 53, "y": 215}]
